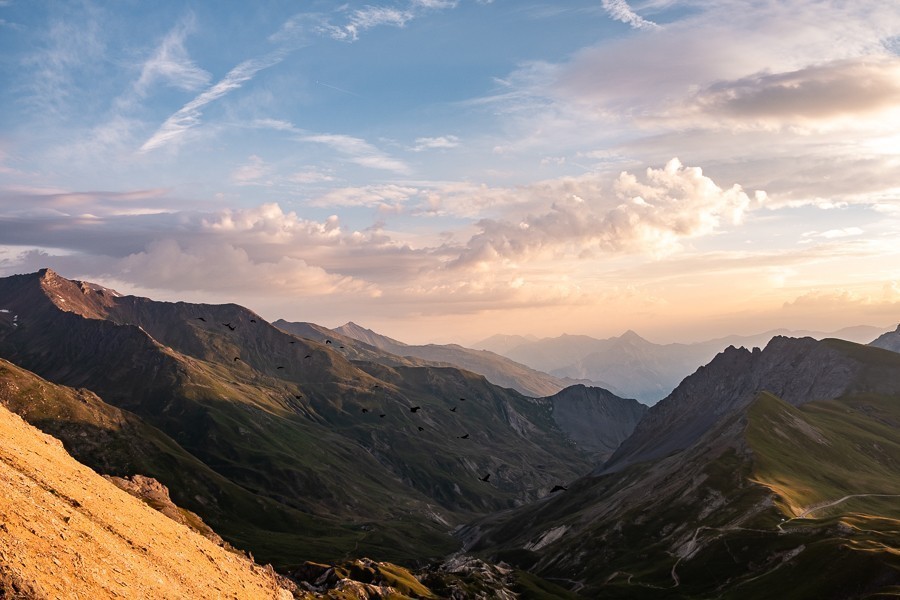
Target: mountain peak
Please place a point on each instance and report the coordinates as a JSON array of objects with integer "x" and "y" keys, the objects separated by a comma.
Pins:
[
  {"x": 362, "y": 334},
  {"x": 631, "y": 336}
]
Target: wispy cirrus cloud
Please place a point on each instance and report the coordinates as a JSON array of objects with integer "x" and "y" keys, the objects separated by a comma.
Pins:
[
  {"x": 434, "y": 143},
  {"x": 354, "y": 22},
  {"x": 188, "y": 116},
  {"x": 621, "y": 11},
  {"x": 171, "y": 64},
  {"x": 359, "y": 151}
]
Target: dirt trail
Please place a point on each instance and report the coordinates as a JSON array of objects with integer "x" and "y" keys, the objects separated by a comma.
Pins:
[{"x": 67, "y": 533}]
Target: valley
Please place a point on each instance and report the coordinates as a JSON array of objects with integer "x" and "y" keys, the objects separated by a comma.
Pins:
[{"x": 308, "y": 446}]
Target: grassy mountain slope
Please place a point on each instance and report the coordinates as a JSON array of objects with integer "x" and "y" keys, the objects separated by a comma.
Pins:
[
  {"x": 294, "y": 421},
  {"x": 774, "y": 499}
]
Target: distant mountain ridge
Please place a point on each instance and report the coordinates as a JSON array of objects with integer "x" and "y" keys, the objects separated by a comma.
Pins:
[
  {"x": 499, "y": 370},
  {"x": 633, "y": 367}
]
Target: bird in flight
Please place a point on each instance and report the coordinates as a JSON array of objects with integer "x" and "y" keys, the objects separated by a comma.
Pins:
[
  {"x": 464, "y": 437},
  {"x": 559, "y": 488},
  {"x": 298, "y": 396},
  {"x": 237, "y": 358},
  {"x": 327, "y": 341},
  {"x": 486, "y": 477},
  {"x": 453, "y": 409},
  {"x": 280, "y": 367},
  {"x": 382, "y": 415},
  {"x": 365, "y": 410},
  {"x": 229, "y": 326},
  {"x": 421, "y": 428},
  {"x": 292, "y": 342},
  {"x": 308, "y": 356},
  {"x": 462, "y": 399},
  {"x": 414, "y": 408},
  {"x": 202, "y": 319},
  {"x": 253, "y": 320}
]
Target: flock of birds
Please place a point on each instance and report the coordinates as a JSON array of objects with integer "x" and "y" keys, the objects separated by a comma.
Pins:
[{"x": 412, "y": 409}]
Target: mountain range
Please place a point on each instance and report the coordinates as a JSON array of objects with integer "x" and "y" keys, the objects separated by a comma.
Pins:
[
  {"x": 631, "y": 366},
  {"x": 264, "y": 433},
  {"x": 770, "y": 472},
  {"x": 766, "y": 473}
]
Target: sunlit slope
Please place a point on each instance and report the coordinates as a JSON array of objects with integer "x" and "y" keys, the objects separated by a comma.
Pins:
[
  {"x": 68, "y": 533},
  {"x": 823, "y": 451}
]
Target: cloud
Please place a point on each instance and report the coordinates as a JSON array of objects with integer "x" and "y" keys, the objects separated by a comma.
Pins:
[
  {"x": 188, "y": 116},
  {"x": 252, "y": 173},
  {"x": 432, "y": 143},
  {"x": 309, "y": 176},
  {"x": 360, "y": 152},
  {"x": 832, "y": 234},
  {"x": 355, "y": 21},
  {"x": 220, "y": 266},
  {"x": 651, "y": 217},
  {"x": 620, "y": 11},
  {"x": 171, "y": 64},
  {"x": 883, "y": 303},
  {"x": 66, "y": 52},
  {"x": 389, "y": 197},
  {"x": 848, "y": 89},
  {"x": 368, "y": 17}
]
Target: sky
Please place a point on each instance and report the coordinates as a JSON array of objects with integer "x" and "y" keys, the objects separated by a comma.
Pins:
[{"x": 446, "y": 170}]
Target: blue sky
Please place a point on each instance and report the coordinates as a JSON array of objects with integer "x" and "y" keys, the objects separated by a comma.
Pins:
[{"x": 443, "y": 170}]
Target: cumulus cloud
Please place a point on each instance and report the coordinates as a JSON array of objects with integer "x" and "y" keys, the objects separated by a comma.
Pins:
[
  {"x": 653, "y": 215},
  {"x": 212, "y": 266}
]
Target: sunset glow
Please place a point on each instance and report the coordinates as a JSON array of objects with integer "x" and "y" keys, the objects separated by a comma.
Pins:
[{"x": 445, "y": 170}]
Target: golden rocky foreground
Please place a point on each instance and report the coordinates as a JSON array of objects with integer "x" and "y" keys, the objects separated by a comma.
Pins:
[{"x": 66, "y": 532}]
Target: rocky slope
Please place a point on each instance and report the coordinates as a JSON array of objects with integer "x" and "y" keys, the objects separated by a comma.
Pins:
[
  {"x": 888, "y": 341},
  {"x": 772, "y": 473},
  {"x": 65, "y": 532},
  {"x": 292, "y": 434}
]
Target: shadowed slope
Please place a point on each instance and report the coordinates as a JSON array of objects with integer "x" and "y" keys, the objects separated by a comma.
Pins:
[{"x": 282, "y": 418}]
